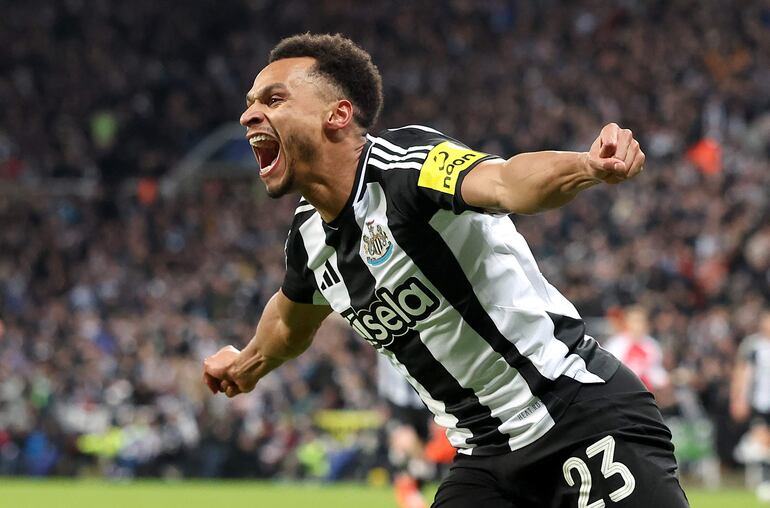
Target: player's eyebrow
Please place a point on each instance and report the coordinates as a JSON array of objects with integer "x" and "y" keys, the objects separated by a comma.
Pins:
[{"x": 266, "y": 90}]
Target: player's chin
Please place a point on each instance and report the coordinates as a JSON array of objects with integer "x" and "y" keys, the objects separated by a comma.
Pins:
[{"x": 279, "y": 185}]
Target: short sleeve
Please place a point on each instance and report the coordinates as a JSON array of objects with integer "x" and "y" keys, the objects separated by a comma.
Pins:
[
  {"x": 443, "y": 171},
  {"x": 299, "y": 283},
  {"x": 437, "y": 182}
]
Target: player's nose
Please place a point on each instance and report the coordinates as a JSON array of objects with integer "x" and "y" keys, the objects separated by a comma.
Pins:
[{"x": 252, "y": 116}]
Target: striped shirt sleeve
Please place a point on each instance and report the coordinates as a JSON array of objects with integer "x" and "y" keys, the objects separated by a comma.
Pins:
[{"x": 440, "y": 172}]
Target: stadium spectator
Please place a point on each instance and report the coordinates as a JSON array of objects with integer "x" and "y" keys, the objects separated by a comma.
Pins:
[{"x": 750, "y": 398}]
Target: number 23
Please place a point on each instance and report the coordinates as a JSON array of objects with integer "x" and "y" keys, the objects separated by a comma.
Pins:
[{"x": 609, "y": 468}]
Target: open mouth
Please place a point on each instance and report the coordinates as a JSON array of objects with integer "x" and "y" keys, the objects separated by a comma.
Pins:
[{"x": 267, "y": 150}]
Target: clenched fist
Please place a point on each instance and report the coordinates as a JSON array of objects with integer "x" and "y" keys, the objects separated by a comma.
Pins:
[
  {"x": 615, "y": 156},
  {"x": 219, "y": 376}
]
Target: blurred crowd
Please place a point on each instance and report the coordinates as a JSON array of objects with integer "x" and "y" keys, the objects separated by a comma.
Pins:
[
  {"x": 110, "y": 307},
  {"x": 109, "y": 302}
]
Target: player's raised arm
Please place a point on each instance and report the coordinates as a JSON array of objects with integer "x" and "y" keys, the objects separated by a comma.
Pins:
[
  {"x": 533, "y": 182},
  {"x": 285, "y": 330}
]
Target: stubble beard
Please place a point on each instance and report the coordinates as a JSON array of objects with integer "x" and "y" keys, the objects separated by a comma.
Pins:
[
  {"x": 285, "y": 186},
  {"x": 306, "y": 154}
]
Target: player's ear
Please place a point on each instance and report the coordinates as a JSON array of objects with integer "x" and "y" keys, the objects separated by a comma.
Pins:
[{"x": 340, "y": 115}]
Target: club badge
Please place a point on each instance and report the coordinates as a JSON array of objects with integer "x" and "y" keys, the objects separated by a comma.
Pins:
[{"x": 377, "y": 246}]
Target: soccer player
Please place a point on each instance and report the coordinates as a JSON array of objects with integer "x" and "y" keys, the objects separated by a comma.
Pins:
[
  {"x": 750, "y": 398},
  {"x": 406, "y": 235},
  {"x": 638, "y": 350}
]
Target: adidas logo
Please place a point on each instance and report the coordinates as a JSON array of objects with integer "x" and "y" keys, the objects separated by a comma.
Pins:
[{"x": 330, "y": 277}]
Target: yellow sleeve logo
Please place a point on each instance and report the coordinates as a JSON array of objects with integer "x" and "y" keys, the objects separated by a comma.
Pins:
[{"x": 444, "y": 164}]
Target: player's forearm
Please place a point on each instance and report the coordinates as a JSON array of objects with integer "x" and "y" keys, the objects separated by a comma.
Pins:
[
  {"x": 275, "y": 341},
  {"x": 538, "y": 181}
]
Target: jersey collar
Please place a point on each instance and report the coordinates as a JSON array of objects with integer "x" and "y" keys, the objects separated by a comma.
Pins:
[{"x": 359, "y": 184}]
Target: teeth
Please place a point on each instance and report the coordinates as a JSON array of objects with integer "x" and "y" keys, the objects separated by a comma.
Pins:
[{"x": 259, "y": 138}]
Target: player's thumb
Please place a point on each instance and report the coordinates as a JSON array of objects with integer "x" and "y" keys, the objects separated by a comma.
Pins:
[{"x": 610, "y": 165}]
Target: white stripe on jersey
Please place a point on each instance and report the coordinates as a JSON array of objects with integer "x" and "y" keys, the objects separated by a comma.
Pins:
[
  {"x": 304, "y": 208},
  {"x": 382, "y": 154},
  {"x": 384, "y": 143},
  {"x": 438, "y": 408},
  {"x": 420, "y": 127},
  {"x": 313, "y": 234},
  {"x": 489, "y": 250},
  {"x": 395, "y": 165},
  {"x": 464, "y": 354}
]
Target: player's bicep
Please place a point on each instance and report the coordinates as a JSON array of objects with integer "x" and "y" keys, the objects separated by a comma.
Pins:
[
  {"x": 286, "y": 327},
  {"x": 484, "y": 187},
  {"x": 300, "y": 317},
  {"x": 505, "y": 186}
]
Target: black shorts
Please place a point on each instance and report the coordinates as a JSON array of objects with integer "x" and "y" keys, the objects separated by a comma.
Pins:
[{"x": 610, "y": 445}]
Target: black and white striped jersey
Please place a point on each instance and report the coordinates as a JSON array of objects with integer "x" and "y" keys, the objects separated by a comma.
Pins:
[
  {"x": 451, "y": 296},
  {"x": 755, "y": 350}
]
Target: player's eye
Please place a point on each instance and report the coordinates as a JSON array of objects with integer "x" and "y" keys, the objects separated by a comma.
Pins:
[{"x": 275, "y": 99}]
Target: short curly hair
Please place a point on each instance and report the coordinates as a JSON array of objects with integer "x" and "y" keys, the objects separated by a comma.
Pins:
[{"x": 345, "y": 64}]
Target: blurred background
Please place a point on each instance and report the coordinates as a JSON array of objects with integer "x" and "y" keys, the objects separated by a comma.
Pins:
[{"x": 136, "y": 239}]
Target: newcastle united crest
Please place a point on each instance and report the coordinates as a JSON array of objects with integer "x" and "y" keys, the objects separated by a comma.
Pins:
[{"x": 377, "y": 246}]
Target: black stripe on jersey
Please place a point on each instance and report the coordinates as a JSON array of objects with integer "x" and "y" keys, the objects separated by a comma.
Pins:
[
  {"x": 409, "y": 349},
  {"x": 401, "y": 154},
  {"x": 299, "y": 219},
  {"x": 441, "y": 385},
  {"x": 572, "y": 333},
  {"x": 359, "y": 185},
  {"x": 381, "y": 144},
  {"x": 416, "y": 157},
  {"x": 433, "y": 257}
]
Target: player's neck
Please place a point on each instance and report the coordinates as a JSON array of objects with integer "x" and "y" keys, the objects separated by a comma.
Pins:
[{"x": 333, "y": 177}]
